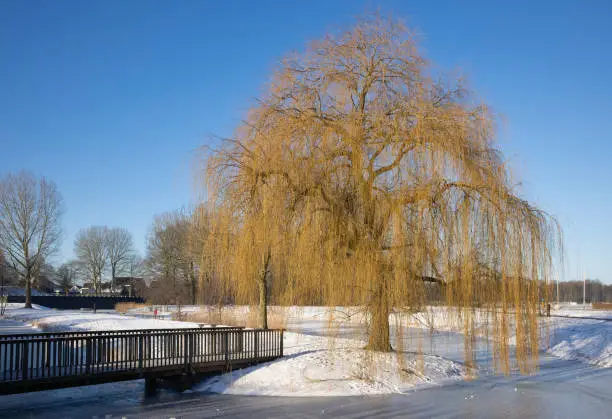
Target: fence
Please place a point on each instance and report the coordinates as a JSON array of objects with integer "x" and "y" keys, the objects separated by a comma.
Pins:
[{"x": 70, "y": 302}]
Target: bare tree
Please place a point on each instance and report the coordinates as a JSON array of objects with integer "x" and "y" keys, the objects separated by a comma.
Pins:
[
  {"x": 119, "y": 248},
  {"x": 3, "y": 293},
  {"x": 67, "y": 275},
  {"x": 362, "y": 176},
  {"x": 46, "y": 279},
  {"x": 3, "y": 270},
  {"x": 135, "y": 265},
  {"x": 30, "y": 231},
  {"x": 91, "y": 249},
  {"x": 8, "y": 277},
  {"x": 168, "y": 256}
]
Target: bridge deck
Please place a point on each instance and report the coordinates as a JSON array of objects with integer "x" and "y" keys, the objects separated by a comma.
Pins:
[{"x": 43, "y": 361}]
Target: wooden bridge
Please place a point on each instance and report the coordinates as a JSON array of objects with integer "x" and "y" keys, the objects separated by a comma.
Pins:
[{"x": 43, "y": 361}]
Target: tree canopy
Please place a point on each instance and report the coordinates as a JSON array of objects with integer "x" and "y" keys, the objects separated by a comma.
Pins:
[{"x": 363, "y": 176}]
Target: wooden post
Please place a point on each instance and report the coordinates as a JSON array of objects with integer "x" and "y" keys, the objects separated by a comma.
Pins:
[
  {"x": 24, "y": 361},
  {"x": 59, "y": 347},
  {"x": 239, "y": 343},
  {"x": 140, "y": 351},
  {"x": 88, "y": 356},
  {"x": 225, "y": 344},
  {"x": 281, "y": 341},
  {"x": 186, "y": 350},
  {"x": 256, "y": 333}
]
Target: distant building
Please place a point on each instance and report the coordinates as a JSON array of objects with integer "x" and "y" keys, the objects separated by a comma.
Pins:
[
  {"x": 87, "y": 289},
  {"x": 130, "y": 286}
]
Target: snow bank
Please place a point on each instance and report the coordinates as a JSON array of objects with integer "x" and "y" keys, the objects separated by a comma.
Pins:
[
  {"x": 580, "y": 339},
  {"x": 321, "y": 366}
]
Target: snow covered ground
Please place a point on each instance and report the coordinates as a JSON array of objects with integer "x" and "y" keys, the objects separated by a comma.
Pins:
[
  {"x": 575, "y": 336},
  {"x": 585, "y": 340},
  {"x": 313, "y": 365},
  {"x": 49, "y": 320},
  {"x": 319, "y": 366},
  {"x": 324, "y": 355},
  {"x": 581, "y": 339}
]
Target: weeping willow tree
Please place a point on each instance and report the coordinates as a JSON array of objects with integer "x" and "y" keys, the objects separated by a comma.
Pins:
[{"x": 362, "y": 177}]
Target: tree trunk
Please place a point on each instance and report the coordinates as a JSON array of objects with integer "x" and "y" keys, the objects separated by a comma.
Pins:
[
  {"x": 263, "y": 305},
  {"x": 379, "y": 310},
  {"x": 112, "y": 287},
  {"x": 176, "y": 296},
  {"x": 193, "y": 292},
  {"x": 263, "y": 293},
  {"x": 28, "y": 291},
  {"x": 193, "y": 284}
]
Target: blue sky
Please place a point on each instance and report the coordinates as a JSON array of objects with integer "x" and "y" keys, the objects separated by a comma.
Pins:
[{"x": 111, "y": 99}]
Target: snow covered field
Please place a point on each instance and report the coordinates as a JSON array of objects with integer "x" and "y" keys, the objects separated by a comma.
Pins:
[
  {"x": 73, "y": 320},
  {"x": 324, "y": 355}
]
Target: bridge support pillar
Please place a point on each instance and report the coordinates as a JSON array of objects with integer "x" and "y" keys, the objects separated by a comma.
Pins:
[{"x": 150, "y": 386}]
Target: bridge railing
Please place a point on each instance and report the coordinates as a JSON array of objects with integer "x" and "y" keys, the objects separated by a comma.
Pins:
[
  {"x": 44, "y": 335},
  {"x": 94, "y": 354}
]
